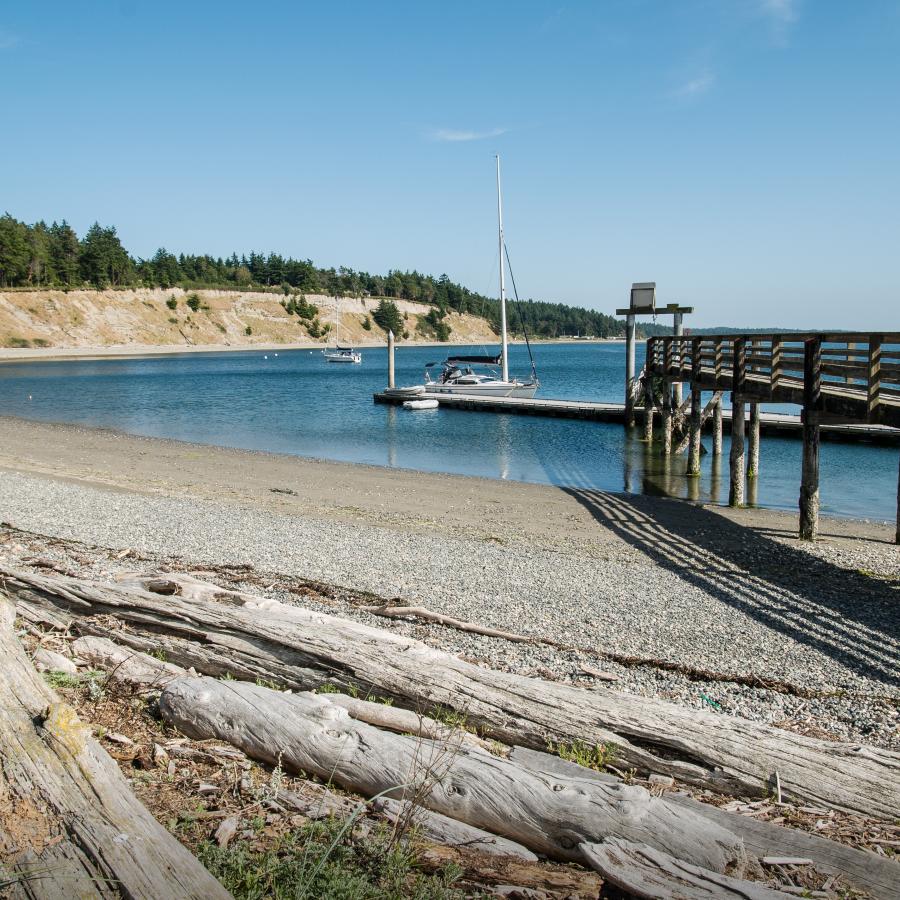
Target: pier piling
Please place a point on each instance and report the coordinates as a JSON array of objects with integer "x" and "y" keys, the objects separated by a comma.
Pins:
[
  {"x": 391, "y": 359},
  {"x": 809, "y": 479},
  {"x": 753, "y": 450},
  {"x": 717, "y": 429},
  {"x": 629, "y": 371}
]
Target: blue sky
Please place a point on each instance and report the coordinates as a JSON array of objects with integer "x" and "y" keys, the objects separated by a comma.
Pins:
[{"x": 741, "y": 153}]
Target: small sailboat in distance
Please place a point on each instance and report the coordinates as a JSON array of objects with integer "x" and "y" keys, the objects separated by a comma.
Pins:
[
  {"x": 339, "y": 354},
  {"x": 457, "y": 375}
]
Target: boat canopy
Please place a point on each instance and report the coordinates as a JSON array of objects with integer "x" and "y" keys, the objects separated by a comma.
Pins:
[{"x": 484, "y": 360}]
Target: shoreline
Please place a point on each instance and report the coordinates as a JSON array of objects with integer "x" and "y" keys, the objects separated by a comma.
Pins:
[
  {"x": 151, "y": 351},
  {"x": 625, "y": 574}
]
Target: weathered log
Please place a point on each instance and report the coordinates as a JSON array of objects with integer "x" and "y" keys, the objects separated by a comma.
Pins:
[
  {"x": 126, "y": 665},
  {"x": 69, "y": 824},
  {"x": 551, "y": 815},
  {"x": 865, "y": 870},
  {"x": 512, "y": 876},
  {"x": 644, "y": 872},
  {"x": 254, "y": 637},
  {"x": 448, "y": 832}
]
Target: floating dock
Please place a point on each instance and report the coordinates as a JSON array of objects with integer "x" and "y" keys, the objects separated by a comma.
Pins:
[{"x": 770, "y": 423}]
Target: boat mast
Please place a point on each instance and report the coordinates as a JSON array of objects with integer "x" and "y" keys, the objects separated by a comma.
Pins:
[{"x": 503, "y": 345}]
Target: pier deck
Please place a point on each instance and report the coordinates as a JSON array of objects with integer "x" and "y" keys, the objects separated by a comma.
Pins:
[{"x": 770, "y": 423}]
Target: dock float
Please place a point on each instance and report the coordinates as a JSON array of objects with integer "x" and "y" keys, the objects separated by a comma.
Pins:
[{"x": 770, "y": 423}]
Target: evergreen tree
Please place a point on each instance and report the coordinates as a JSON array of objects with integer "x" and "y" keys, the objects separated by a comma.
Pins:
[
  {"x": 14, "y": 251},
  {"x": 64, "y": 249},
  {"x": 387, "y": 317}
]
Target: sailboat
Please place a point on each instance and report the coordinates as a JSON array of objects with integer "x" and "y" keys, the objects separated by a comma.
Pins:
[
  {"x": 457, "y": 375},
  {"x": 339, "y": 354}
]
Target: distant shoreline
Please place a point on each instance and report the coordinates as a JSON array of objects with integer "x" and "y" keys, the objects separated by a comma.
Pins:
[{"x": 150, "y": 351}]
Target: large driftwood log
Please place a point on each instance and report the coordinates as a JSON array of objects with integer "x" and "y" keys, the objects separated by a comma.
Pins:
[
  {"x": 646, "y": 873},
  {"x": 863, "y": 869},
  {"x": 69, "y": 824},
  {"x": 448, "y": 832},
  {"x": 551, "y": 815},
  {"x": 254, "y": 637}
]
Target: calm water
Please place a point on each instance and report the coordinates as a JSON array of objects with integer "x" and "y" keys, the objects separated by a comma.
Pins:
[{"x": 297, "y": 403}]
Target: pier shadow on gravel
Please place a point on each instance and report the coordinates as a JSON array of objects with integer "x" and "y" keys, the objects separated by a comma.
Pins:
[{"x": 852, "y": 617}]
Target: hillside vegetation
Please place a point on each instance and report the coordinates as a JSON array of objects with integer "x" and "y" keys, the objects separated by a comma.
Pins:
[{"x": 42, "y": 256}]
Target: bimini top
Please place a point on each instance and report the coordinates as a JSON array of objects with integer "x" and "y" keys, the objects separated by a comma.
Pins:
[{"x": 484, "y": 360}]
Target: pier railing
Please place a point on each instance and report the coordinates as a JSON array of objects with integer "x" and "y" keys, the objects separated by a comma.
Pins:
[
  {"x": 851, "y": 377},
  {"x": 848, "y": 377}
]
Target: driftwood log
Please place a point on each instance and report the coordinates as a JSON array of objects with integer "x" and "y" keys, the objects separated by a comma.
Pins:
[
  {"x": 552, "y": 815},
  {"x": 69, "y": 824},
  {"x": 219, "y": 632},
  {"x": 864, "y": 869},
  {"x": 646, "y": 873}
]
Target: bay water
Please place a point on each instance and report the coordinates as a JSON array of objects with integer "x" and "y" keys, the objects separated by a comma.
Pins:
[{"x": 294, "y": 402}]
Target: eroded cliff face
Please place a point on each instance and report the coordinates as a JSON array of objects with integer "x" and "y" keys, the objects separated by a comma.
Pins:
[{"x": 87, "y": 319}]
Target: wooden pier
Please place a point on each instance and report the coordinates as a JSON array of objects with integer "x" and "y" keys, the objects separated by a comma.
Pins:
[
  {"x": 770, "y": 423},
  {"x": 839, "y": 379}
]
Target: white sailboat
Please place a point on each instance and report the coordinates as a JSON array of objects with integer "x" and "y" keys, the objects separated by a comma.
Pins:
[
  {"x": 457, "y": 375},
  {"x": 339, "y": 354}
]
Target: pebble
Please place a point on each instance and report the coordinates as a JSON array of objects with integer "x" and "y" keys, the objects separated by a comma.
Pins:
[{"x": 821, "y": 617}]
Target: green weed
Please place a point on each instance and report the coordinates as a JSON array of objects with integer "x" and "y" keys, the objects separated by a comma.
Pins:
[{"x": 596, "y": 756}]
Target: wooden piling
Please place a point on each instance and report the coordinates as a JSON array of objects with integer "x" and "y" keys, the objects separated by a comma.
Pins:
[
  {"x": 629, "y": 371},
  {"x": 717, "y": 429},
  {"x": 753, "y": 450},
  {"x": 648, "y": 411},
  {"x": 693, "y": 468},
  {"x": 391, "y": 359},
  {"x": 809, "y": 484},
  {"x": 736, "y": 487},
  {"x": 667, "y": 418}
]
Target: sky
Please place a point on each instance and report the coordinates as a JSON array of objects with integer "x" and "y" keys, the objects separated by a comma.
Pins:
[{"x": 743, "y": 154}]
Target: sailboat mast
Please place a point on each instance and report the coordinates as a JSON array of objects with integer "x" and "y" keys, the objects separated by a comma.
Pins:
[{"x": 503, "y": 342}]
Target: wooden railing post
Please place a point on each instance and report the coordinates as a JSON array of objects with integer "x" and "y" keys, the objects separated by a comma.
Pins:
[
  {"x": 693, "y": 468},
  {"x": 736, "y": 489},
  {"x": 719, "y": 363},
  {"x": 873, "y": 392},
  {"x": 777, "y": 366},
  {"x": 667, "y": 417},
  {"x": 809, "y": 484}
]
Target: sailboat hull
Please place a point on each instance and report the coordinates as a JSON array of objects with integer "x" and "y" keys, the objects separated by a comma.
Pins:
[{"x": 486, "y": 389}]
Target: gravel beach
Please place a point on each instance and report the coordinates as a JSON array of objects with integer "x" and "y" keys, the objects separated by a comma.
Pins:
[{"x": 730, "y": 593}]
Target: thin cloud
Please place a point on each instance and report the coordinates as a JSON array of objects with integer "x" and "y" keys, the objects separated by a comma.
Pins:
[
  {"x": 695, "y": 87},
  {"x": 450, "y": 135},
  {"x": 782, "y": 14}
]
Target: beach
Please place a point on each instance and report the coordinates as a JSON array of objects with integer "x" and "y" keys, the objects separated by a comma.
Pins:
[{"x": 704, "y": 606}]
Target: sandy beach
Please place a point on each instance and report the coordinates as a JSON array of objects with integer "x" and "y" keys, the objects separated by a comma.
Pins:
[{"x": 718, "y": 596}]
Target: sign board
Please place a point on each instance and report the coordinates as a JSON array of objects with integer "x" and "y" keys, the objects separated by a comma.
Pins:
[{"x": 643, "y": 296}]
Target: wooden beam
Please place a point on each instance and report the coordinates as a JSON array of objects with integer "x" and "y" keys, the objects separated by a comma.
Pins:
[
  {"x": 873, "y": 387},
  {"x": 809, "y": 483},
  {"x": 693, "y": 469},
  {"x": 648, "y": 407}
]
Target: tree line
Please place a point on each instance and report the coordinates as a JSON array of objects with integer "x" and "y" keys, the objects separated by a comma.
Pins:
[{"x": 48, "y": 256}]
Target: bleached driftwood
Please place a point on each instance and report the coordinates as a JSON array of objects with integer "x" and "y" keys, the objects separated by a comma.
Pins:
[
  {"x": 253, "y": 637},
  {"x": 867, "y": 871},
  {"x": 448, "y": 832},
  {"x": 69, "y": 824},
  {"x": 124, "y": 664},
  {"x": 512, "y": 876},
  {"x": 427, "y": 615},
  {"x": 404, "y": 721},
  {"x": 644, "y": 872},
  {"x": 549, "y": 815}
]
